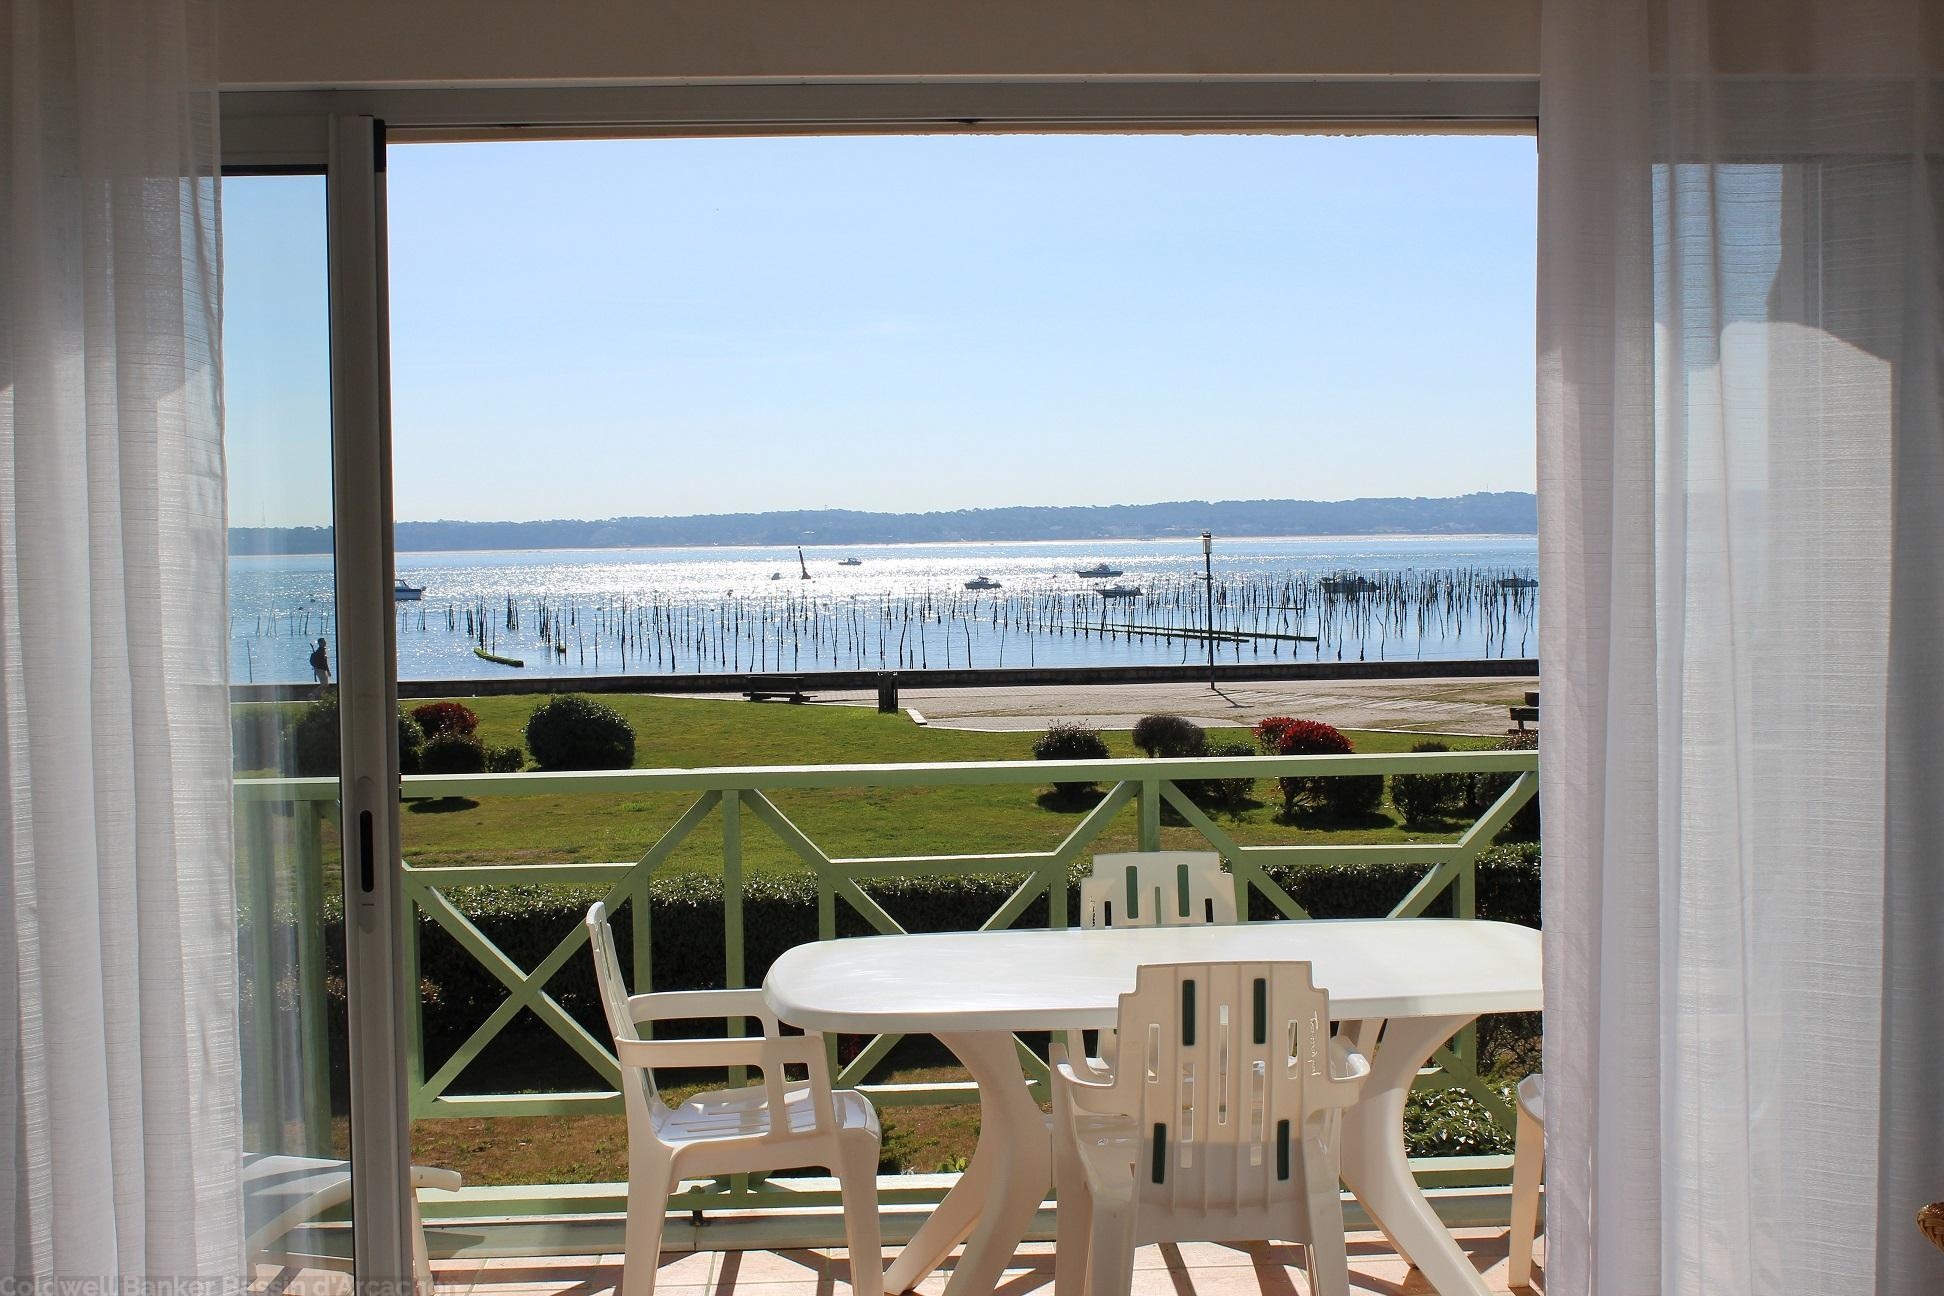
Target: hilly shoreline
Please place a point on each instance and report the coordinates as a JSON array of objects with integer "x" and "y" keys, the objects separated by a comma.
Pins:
[{"x": 1484, "y": 513}]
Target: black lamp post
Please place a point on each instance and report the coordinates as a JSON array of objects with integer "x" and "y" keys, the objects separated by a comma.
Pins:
[{"x": 1208, "y": 589}]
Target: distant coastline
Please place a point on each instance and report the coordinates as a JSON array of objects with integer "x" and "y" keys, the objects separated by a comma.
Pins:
[{"x": 1484, "y": 513}]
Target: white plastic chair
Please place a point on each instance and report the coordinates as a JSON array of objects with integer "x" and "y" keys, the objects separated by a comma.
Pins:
[
  {"x": 1152, "y": 889},
  {"x": 775, "y": 1125},
  {"x": 1528, "y": 1167},
  {"x": 1157, "y": 889},
  {"x": 1219, "y": 1124},
  {"x": 282, "y": 1194}
]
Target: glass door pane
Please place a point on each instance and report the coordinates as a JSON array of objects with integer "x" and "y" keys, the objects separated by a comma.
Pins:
[{"x": 283, "y": 657}]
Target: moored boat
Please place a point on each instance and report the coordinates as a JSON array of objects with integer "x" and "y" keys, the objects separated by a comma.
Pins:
[
  {"x": 403, "y": 593},
  {"x": 982, "y": 583},
  {"x": 1098, "y": 570}
]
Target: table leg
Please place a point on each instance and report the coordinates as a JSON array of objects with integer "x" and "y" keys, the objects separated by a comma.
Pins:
[
  {"x": 1377, "y": 1170},
  {"x": 994, "y": 1201}
]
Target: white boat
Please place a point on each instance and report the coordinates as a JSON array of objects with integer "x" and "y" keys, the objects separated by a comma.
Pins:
[
  {"x": 403, "y": 593},
  {"x": 1120, "y": 591},
  {"x": 850, "y": 562},
  {"x": 1098, "y": 570},
  {"x": 982, "y": 583}
]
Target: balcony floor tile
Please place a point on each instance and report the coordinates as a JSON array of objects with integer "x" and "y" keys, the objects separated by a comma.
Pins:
[{"x": 1184, "y": 1269}]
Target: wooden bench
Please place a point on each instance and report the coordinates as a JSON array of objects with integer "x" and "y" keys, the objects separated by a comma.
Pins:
[
  {"x": 1530, "y": 711},
  {"x": 770, "y": 688}
]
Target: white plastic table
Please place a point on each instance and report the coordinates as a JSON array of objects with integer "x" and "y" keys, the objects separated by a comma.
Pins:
[{"x": 1420, "y": 979}]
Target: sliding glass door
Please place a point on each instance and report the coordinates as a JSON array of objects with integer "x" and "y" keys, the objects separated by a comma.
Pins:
[
  {"x": 284, "y": 658},
  {"x": 312, "y": 702}
]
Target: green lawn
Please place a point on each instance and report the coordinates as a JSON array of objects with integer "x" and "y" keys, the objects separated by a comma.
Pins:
[{"x": 688, "y": 733}]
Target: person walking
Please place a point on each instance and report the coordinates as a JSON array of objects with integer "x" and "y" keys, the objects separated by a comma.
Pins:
[{"x": 320, "y": 660}]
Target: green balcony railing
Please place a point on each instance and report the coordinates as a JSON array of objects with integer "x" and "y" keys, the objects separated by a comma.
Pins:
[{"x": 289, "y": 817}]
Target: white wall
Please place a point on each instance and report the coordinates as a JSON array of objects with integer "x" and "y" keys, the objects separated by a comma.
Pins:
[{"x": 303, "y": 43}]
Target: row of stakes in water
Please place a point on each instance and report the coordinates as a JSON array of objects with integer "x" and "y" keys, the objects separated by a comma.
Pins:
[{"x": 1333, "y": 617}]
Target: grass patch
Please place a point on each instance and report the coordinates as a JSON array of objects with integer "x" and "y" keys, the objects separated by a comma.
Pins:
[{"x": 688, "y": 733}]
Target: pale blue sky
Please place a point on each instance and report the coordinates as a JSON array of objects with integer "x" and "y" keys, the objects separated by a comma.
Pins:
[{"x": 910, "y": 323}]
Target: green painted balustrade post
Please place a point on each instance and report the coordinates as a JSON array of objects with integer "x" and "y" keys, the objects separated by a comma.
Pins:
[
  {"x": 256, "y": 916},
  {"x": 1150, "y": 814},
  {"x": 413, "y": 977},
  {"x": 735, "y": 973},
  {"x": 642, "y": 919},
  {"x": 313, "y": 1007}
]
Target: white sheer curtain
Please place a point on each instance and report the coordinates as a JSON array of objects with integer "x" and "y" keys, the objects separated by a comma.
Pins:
[
  {"x": 118, "y": 1148},
  {"x": 1742, "y": 539}
]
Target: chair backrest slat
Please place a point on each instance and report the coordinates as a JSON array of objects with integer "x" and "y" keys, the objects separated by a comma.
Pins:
[
  {"x": 1157, "y": 889},
  {"x": 1232, "y": 1066}
]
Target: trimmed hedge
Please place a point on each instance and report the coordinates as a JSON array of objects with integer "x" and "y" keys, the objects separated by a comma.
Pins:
[{"x": 780, "y": 911}]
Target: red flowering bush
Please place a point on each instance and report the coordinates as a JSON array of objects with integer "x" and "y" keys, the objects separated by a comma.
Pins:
[
  {"x": 439, "y": 718},
  {"x": 1288, "y": 736},
  {"x": 1342, "y": 796}
]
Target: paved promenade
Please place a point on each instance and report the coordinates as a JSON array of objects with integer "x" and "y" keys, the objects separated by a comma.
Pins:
[{"x": 1467, "y": 706}]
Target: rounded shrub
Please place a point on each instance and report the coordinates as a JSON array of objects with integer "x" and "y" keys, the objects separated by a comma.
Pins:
[
  {"x": 1341, "y": 796},
  {"x": 1065, "y": 741},
  {"x": 446, "y": 718},
  {"x": 505, "y": 760},
  {"x": 312, "y": 742},
  {"x": 1169, "y": 736},
  {"x": 1419, "y": 797},
  {"x": 572, "y": 732},
  {"x": 313, "y": 749},
  {"x": 1223, "y": 793},
  {"x": 411, "y": 745},
  {"x": 1487, "y": 788},
  {"x": 1353, "y": 796},
  {"x": 453, "y": 753}
]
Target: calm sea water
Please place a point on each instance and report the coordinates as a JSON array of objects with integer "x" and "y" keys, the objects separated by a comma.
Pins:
[{"x": 651, "y": 611}]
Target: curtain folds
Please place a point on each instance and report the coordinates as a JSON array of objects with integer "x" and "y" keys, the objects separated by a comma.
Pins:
[
  {"x": 1742, "y": 549},
  {"x": 118, "y": 1151}
]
